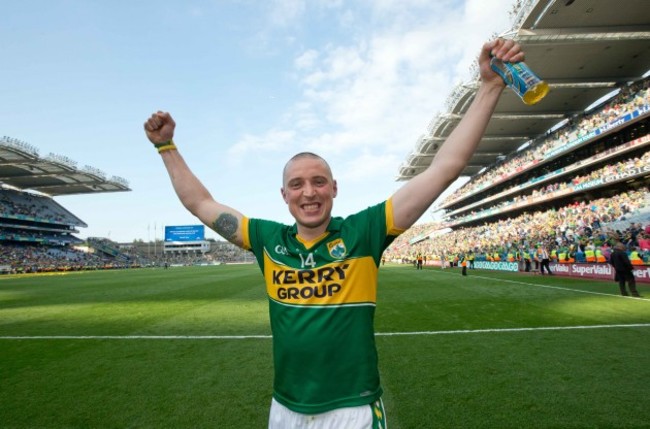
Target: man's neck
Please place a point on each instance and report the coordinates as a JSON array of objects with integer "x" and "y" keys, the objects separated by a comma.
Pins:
[{"x": 310, "y": 234}]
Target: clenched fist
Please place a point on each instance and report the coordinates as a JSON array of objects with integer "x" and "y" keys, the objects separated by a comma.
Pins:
[{"x": 160, "y": 127}]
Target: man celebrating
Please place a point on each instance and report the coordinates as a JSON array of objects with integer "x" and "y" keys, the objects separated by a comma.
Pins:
[{"x": 321, "y": 272}]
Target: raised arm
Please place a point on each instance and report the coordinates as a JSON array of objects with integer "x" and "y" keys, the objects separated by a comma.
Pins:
[
  {"x": 415, "y": 197},
  {"x": 225, "y": 220}
]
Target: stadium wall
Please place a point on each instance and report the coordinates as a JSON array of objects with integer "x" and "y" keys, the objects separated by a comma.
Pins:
[
  {"x": 598, "y": 271},
  {"x": 587, "y": 271}
]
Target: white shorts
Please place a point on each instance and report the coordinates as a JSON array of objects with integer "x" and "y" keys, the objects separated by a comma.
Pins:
[{"x": 370, "y": 416}]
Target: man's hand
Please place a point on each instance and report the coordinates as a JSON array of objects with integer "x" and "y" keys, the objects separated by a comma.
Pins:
[
  {"x": 505, "y": 50},
  {"x": 160, "y": 127}
]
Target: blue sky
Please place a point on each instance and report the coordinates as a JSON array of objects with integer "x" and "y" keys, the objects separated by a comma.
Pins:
[{"x": 249, "y": 83}]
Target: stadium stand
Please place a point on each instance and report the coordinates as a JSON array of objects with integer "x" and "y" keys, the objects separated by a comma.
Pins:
[
  {"x": 36, "y": 232},
  {"x": 220, "y": 252},
  {"x": 570, "y": 174}
]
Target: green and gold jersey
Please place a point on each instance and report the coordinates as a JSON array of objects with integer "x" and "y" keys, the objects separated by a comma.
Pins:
[{"x": 322, "y": 297}]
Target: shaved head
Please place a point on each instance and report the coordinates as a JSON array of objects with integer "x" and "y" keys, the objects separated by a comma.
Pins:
[{"x": 303, "y": 155}]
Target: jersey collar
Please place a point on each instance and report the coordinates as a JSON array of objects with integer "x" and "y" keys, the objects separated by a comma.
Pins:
[{"x": 333, "y": 226}]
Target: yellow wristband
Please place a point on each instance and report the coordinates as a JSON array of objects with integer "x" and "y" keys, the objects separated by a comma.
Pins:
[
  {"x": 167, "y": 147},
  {"x": 161, "y": 144}
]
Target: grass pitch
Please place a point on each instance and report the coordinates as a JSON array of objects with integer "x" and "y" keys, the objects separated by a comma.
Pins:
[{"x": 190, "y": 348}]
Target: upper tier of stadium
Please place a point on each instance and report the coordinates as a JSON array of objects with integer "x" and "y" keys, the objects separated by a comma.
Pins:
[
  {"x": 22, "y": 168},
  {"x": 585, "y": 50}
]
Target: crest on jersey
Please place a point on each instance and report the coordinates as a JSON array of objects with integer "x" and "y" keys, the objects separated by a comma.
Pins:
[{"x": 337, "y": 248}]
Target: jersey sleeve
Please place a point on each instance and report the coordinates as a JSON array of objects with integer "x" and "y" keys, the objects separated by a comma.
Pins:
[
  {"x": 391, "y": 230},
  {"x": 376, "y": 223},
  {"x": 245, "y": 232}
]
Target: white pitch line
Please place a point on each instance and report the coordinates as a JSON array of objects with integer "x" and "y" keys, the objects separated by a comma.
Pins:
[
  {"x": 246, "y": 337},
  {"x": 135, "y": 337},
  {"x": 379, "y": 334},
  {"x": 542, "y": 328},
  {"x": 556, "y": 287}
]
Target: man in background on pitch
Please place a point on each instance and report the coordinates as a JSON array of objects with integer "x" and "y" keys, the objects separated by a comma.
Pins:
[{"x": 624, "y": 270}]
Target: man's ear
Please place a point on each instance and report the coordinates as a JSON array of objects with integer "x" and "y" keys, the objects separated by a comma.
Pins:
[
  {"x": 336, "y": 189},
  {"x": 284, "y": 195}
]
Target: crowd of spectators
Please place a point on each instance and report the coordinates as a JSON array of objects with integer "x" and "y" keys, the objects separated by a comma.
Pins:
[
  {"x": 220, "y": 252},
  {"x": 629, "y": 99},
  {"x": 578, "y": 232},
  {"x": 34, "y": 235},
  {"x": 573, "y": 230},
  {"x": 560, "y": 188},
  {"x": 17, "y": 204},
  {"x": 102, "y": 253},
  {"x": 21, "y": 258},
  {"x": 213, "y": 257}
]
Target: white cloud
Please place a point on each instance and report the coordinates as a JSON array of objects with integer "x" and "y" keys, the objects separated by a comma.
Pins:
[
  {"x": 331, "y": 4},
  {"x": 365, "y": 166},
  {"x": 379, "y": 92},
  {"x": 272, "y": 141},
  {"x": 285, "y": 12},
  {"x": 338, "y": 64},
  {"x": 307, "y": 60}
]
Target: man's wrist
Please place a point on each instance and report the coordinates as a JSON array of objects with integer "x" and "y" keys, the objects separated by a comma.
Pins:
[{"x": 165, "y": 146}]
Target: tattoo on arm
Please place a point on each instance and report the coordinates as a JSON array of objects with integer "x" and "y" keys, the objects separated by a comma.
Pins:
[{"x": 226, "y": 225}]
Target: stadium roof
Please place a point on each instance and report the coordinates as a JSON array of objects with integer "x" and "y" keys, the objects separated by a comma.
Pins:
[
  {"x": 584, "y": 49},
  {"x": 22, "y": 168}
]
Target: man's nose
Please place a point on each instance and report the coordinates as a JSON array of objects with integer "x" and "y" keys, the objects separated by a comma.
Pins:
[{"x": 308, "y": 190}]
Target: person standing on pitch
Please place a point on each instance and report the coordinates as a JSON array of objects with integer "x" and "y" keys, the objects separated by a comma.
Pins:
[
  {"x": 321, "y": 272},
  {"x": 624, "y": 270},
  {"x": 545, "y": 259},
  {"x": 463, "y": 263}
]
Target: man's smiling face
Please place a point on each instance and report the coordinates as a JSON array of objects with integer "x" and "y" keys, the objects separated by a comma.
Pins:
[{"x": 309, "y": 191}]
